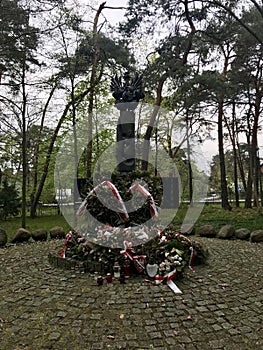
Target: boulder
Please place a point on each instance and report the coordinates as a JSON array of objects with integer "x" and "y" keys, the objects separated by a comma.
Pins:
[
  {"x": 3, "y": 237},
  {"x": 39, "y": 235},
  {"x": 226, "y": 232},
  {"x": 57, "y": 232},
  {"x": 21, "y": 235},
  {"x": 242, "y": 233},
  {"x": 207, "y": 231},
  {"x": 256, "y": 236}
]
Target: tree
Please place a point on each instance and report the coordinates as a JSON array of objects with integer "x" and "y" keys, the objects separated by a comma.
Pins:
[
  {"x": 99, "y": 49},
  {"x": 20, "y": 54},
  {"x": 232, "y": 8},
  {"x": 247, "y": 74},
  {"x": 16, "y": 34},
  {"x": 83, "y": 68},
  {"x": 27, "y": 82},
  {"x": 9, "y": 200},
  {"x": 216, "y": 26}
]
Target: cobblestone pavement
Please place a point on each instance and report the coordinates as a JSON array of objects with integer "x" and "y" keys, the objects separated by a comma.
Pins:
[{"x": 42, "y": 307}]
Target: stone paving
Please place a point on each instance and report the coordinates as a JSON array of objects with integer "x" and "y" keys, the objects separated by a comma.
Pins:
[{"x": 42, "y": 307}]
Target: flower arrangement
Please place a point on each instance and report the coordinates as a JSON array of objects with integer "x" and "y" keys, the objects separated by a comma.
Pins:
[
  {"x": 169, "y": 251},
  {"x": 147, "y": 250}
]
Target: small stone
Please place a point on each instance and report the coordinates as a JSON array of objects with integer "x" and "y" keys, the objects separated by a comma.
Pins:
[
  {"x": 54, "y": 336},
  {"x": 57, "y": 232},
  {"x": 256, "y": 236},
  {"x": 207, "y": 231},
  {"x": 21, "y": 235},
  {"x": 61, "y": 314},
  {"x": 39, "y": 235},
  {"x": 242, "y": 233},
  {"x": 226, "y": 232},
  {"x": 110, "y": 337}
]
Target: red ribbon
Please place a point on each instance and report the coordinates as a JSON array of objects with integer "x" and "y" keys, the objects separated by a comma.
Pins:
[
  {"x": 168, "y": 277},
  {"x": 191, "y": 260},
  {"x": 68, "y": 237},
  {"x": 115, "y": 193},
  {"x": 134, "y": 258},
  {"x": 147, "y": 194}
]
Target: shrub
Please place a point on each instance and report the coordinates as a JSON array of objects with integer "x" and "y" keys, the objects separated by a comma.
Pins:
[{"x": 9, "y": 201}]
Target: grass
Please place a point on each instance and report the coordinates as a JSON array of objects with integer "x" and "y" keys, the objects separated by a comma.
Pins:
[
  {"x": 252, "y": 219},
  {"x": 41, "y": 222},
  {"x": 213, "y": 214}
]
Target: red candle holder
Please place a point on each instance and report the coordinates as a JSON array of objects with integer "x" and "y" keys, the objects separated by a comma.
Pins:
[{"x": 109, "y": 278}]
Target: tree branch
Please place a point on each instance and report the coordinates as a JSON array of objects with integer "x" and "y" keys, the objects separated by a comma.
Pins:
[
  {"x": 239, "y": 20},
  {"x": 258, "y": 7}
]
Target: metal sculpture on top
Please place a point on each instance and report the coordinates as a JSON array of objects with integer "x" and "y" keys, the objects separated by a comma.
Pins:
[
  {"x": 131, "y": 90},
  {"x": 127, "y": 93}
]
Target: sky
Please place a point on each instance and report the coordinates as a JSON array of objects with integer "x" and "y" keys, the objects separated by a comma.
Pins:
[
  {"x": 114, "y": 16},
  {"x": 209, "y": 147}
]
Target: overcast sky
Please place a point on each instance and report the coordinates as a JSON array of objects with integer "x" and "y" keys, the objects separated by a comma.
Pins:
[{"x": 210, "y": 148}]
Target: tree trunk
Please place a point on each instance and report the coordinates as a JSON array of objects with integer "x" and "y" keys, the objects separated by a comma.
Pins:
[
  {"x": 241, "y": 167},
  {"x": 236, "y": 178},
  {"x": 249, "y": 191},
  {"x": 92, "y": 87},
  {"x": 24, "y": 152},
  {"x": 259, "y": 93},
  {"x": 190, "y": 171},
  {"x": 50, "y": 150},
  {"x": 253, "y": 176},
  {"x": 149, "y": 130},
  {"x": 36, "y": 154},
  {"x": 233, "y": 134},
  {"x": 224, "y": 194}
]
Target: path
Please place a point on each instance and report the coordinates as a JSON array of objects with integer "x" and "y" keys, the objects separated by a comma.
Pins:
[{"x": 46, "y": 308}]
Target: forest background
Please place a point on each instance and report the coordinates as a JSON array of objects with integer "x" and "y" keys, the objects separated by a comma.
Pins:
[{"x": 201, "y": 62}]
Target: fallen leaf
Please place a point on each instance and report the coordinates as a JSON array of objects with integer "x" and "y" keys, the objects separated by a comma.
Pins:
[
  {"x": 110, "y": 337},
  {"x": 121, "y": 316}
]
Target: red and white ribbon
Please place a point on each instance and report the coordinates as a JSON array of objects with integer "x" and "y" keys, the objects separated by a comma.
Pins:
[
  {"x": 115, "y": 193},
  {"x": 146, "y": 194},
  {"x": 138, "y": 260},
  {"x": 168, "y": 278},
  {"x": 68, "y": 237},
  {"x": 171, "y": 284}
]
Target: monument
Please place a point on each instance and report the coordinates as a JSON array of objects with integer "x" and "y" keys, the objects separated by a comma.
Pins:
[{"x": 127, "y": 92}]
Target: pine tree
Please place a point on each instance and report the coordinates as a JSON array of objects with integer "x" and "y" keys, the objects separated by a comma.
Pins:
[{"x": 9, "y": 200}]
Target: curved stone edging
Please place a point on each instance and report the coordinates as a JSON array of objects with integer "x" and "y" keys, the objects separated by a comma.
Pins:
[
  {"x": 229, "y": 232},
  {"x": 203, "y": 231}
]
